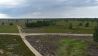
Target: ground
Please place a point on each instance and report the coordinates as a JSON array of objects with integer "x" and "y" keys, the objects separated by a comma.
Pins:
[
  {"x": 8, "y": 29},
  {"x": 50, "y": 45},
  {"x": 55, "y": 45},
  {"x": 62, "y": 26},
  {"x": 13, "y": 46},
  {"x": 57, "y": 29},
  {"x": 69, "y": 47},
  {"x": 93, "y": 49}
]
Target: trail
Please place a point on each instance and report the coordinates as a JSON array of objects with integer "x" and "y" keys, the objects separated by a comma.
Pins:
[
  {"x": 63, "y": 34},
  {"x": 23, "y": 35},
  {"x": 27, "y": 43}
]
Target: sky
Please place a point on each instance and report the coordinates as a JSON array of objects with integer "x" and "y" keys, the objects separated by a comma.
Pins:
[{"x": 49, "y": 9}]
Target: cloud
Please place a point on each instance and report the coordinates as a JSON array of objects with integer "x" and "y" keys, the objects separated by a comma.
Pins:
[
  {"x": 83, "y": 12},
  {"x": 4, "y": 16},
  {"x": 79, "y": 3},
  {"x": 48, "y": 13},
  {"x": 11, "y": 3},
  {"x": 65, "y": 8},
  {"x": 49, "y": 8}
]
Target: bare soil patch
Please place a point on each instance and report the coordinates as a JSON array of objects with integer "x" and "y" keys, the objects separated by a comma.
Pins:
[{"x": 48, "y": 44}]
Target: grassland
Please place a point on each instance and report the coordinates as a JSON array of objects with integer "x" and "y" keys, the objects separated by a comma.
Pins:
[
  {"x": 50, "y": 45},
  {"x": 62, "y": 26},
  {"x": 8, "y": 29},
  {"x": 70, "y": 47},
  {"x": 13, "y": 46},
  {"x": 55, "y": 45}
]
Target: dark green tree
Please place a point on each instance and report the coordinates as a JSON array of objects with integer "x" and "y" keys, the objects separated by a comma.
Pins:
[
  {"x": 95, "y": 34},
  {"x": 10, "y": 23},
  {"x": 80, "y": 24},
  {"x": 70, "y": 26},
  {"x": 87, "y": 24},
  {"x": 39, "y": 24},
  {"x": 2, "y": 23}
]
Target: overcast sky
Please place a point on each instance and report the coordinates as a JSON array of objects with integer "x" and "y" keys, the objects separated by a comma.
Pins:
[{"x": 48, "y": 8}]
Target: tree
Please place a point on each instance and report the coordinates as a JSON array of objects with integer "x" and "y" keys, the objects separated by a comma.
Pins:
[
  {"x": 87, "y": 24},
  {"x": 95, "y": 34},
  {"x": 39, "y": 24},
  {"x": 80, "y": 24},
  {"x": 10, "y": 23},
  {"x": 2, "y": 23},
  {"x": 70, "y": 26}
]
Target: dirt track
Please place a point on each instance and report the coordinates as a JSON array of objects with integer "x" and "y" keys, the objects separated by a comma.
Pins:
[{"x": 44, "y": 46}]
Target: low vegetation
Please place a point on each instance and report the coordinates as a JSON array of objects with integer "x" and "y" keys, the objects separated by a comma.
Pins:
[
  {"x": 51, "y": 45},
  {"x": 70, "y": 47},
  {"x": 13, "y": 46},
  {"x": 61, "y": 26},
  {"x": 95, "y": 34},
  {"x": 8, "y": 28},
  {"x": 39, "y": 24},
  {"x": 56, "y": 45}
]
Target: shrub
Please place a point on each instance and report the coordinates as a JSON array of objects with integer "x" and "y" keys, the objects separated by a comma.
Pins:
[
  {"x": 10, "y": 23},
  {"x": 39, "y": 24},
  {"x": 2, "y": 23},
  {"x": 80, "y": 24},
  {"x": 87, "y": 24},
  {"x": 70, "y": 26},
  {"x": 95, "y": 35}
]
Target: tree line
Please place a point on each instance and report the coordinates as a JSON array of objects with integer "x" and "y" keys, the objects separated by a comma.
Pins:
[{"x": 39, "y": 23}]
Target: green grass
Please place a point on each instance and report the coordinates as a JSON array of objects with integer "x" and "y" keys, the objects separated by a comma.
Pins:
[
  {"x": 8, "y": 29},
  {"x": 70, "y": 47},
  {"x": 13, "y": 46},
  {"x": 62, "y": 26},
  {"x": 58, "y": 29}
]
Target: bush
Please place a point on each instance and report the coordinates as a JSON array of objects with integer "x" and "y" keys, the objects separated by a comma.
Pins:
[
  {"x": 39, "y": 24},
  {"x": 10, "y": 23},
  {"x": 80, "y": 24},
  {"x": 2, "y": 23},
  {"x": 87, "y": 24},
  {"x": 70, "y": 26},
  {"x": 95, "y": 35}
]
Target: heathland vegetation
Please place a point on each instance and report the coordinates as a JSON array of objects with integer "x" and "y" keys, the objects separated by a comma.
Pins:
[
  {"x": 13, "y": 46},
  {"x": 51, "y": 45},
  {"x": 61, "y": 26}
]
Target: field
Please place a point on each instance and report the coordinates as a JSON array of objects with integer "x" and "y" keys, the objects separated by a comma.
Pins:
[
  {"x": 55, "y": 45},
  {"x": 13, "y": 46},
  {"x": 8, "y": 29},
  {"x": 50, "y": 45},
  {"x": 62, "y": 26},
  {"x": 72, "y": 48}
]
